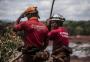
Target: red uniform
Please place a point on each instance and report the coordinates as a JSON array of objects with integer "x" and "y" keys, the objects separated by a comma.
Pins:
[
  {"x": 35, "y": 32},
  {"x": 59, "y": 36}
]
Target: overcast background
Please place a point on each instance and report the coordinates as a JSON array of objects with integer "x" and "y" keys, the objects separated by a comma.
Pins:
[{"x": 70, "y": 9}]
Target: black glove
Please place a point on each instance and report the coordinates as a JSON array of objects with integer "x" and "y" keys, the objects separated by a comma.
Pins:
[
  {"x": 68, "y": 49},
  {"x": 19, "y": 48}
]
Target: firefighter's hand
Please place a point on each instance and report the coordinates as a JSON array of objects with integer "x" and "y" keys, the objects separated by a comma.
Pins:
[{"x": 17, "y": 21}]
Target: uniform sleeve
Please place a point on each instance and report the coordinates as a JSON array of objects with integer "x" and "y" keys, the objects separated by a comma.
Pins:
[
  {"x": 50, "y": 35},
  {"x": 19, "y": 27},
  {"x": 63, "y": 37}
]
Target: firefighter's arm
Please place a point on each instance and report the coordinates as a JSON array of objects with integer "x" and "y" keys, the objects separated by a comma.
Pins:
[
  {"x": 50, "y": 35},
  {"x": 18, "y": 27},
  {"x": 45, "y": 44},
  {"x": 21, "y": 16}
]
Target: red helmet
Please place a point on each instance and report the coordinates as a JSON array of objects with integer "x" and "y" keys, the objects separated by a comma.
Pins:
[{"x": 31, "y": 9}]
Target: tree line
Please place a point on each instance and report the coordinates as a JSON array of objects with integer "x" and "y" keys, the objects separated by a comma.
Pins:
[
  {"x": 78, "y": 27},
  {"x": 74, "y": 27}
]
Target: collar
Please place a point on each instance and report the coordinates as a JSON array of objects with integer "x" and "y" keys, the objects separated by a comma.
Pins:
[{"x": 33, "y": 18}]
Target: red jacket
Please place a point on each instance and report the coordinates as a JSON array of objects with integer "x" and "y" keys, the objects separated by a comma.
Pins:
[
  {"x": 35, "y": 32},
  {"x": 59, "y": 36}
]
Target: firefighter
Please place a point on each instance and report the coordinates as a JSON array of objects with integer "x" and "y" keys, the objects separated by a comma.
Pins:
[
  {"x": 59, "y": 35},
  {"x": 35, "y": 33}
]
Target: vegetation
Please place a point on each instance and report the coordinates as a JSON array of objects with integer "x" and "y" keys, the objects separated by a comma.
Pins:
[
  {"x": 9, "y": 41},
  {"x": 78, "y": 27}
]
